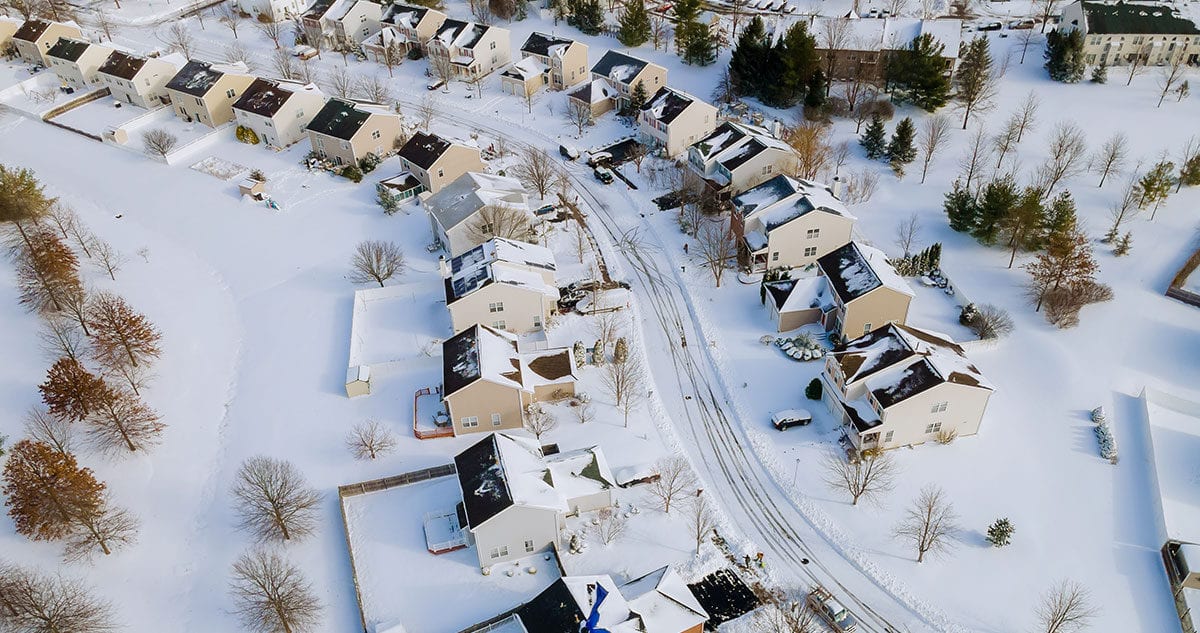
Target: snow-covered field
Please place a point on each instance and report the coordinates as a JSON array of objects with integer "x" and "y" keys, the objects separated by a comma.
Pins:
[{"x": 255, "y": 310}]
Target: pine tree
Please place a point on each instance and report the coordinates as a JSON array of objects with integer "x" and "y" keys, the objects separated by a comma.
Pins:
[
  {"x": 791, "y": 65},
  {"x": 901, "y": 149},
  {"x": 47, "y": 491},
  {"x": 918, "y": 74},
  {"x": 1100, "y": 73},
  {"x": 1023, "y": 223},
  {"x": 1000, "y": 533},
  {"x": 1156, "y": 185},
  {"x": 587, "y": 16},
  {"x": 1189, "y": 175},
  {"x": 580, "y": 353},
  {"x": 1064, "y": 56},
  {"x": 813, "y": 390},
  {"x": 637, "y": 99},
  {"x": 997, "y": 200},
  {"x": 874, "y": 138},
  {"x": 22, "y": 200},
  {"x": 633, "y": 24},
  {"x": 387, "y": 201},
  {"x": 973, "y": 80},
  {"x": 960, "y": 208},
  {"x": 1061, "y": 217},
  {"x": 749, "y": 59},
  {"x": 1123, "y": 245},
  {"x": 701, "y": 47},
  {"x": 814, "y": 92},
  {"x": 71, "y": 392}
]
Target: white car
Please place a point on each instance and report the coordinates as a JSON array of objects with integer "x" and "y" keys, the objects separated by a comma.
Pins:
[{"x": 788, "y": 418}]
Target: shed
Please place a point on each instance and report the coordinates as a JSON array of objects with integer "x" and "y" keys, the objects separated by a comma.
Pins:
[
  {"x": 358, "y": 381},
  {"x": 252, "y": 187}
]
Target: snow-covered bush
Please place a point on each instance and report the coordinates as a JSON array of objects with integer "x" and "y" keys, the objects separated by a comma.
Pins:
[
  {"x": 246, "y": 135},
  {"x": 369, "y": 162},
  {"x": 813, "y": 391},
  {"x": 352, "y": 172},
  {"x": 1104, "y": 436},
  {"x": 580, "y": 353}
]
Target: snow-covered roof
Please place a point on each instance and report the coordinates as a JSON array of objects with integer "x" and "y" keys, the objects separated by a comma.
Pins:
[
  {"x": 668, "y": 103},
  {"x": 1175, "y": 438},
  {"x": 545, "y": 44},
  {"x": 499, "y": 249},
  {"x": 459, "y": 34},
  {"x": 783, "y": 199},
  {"x": 501, "y": 471},
  {"x": 197, "y": 78},
  {"x": 472, "y": 279},
  {"x": 580, "y": 473},
  {"x": 794, "y": 295},
  {"x": 459, "y": 200},
  {"x": 501, "y": 261},
  {"x": 619, "y": 67},
  {"x": 528, "y": 68},
  {"x": 855, "y": 269},
  {"x": 1127, "y": 18},
  {"x": 663, "y": 602},
  {"x": 900, "y": 361},
  {"x": 594, "y": 91},
  {"x": 265, "y": 97},
  {"x": 733, "y": 144},
  {"x": 891, "y": 33},
  {"x": 483, "y": 353}
]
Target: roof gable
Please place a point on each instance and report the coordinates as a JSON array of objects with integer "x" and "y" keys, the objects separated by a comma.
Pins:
[
  {"x": 782, "y": 199},
  {"x": 458, "y": 201},
  {"x": 501, "y": 471},
  {"x": 854, "y": 271},
  {"x": 339, "y": 119},
  {"x": 263, "y": 97},
  {"x": 122, "y": 65},
  {"x": 667, "y": 104},
  {"x": 542, "y": 43}
]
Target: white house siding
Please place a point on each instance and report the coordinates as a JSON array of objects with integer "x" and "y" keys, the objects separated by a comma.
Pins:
[
  {"x": 511, "y": 529},
  {"x": 787, "y": 245},
  {"x": 524, "y": 310}
]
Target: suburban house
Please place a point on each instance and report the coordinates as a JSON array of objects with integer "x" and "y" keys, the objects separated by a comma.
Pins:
[
  {"x": 899, "y": 385},
  {"x": 278, "y": 111},
  {"x": 548, "y": 60},
  {"x": 787, "y": 222},
  {"x": 274, "y": 10},
  {"x": 76, "y": 62},
  {"x": 674, "y": 120},
  {"x": 1116, "y": 33},
  {"x": 487, "y": 383},
  {"x": 515, "y": 499},
  {"x": 205, "y": 92},
  {"x": 865, "y": 44},
  {"x": 405, "y": 27},
  {"x": 855, "y": 291},
  {"x": 736, "y": 157},
  {"x": 140, "y": 81},
  {"x": 435, "y": 162},
  {"x": 340, "y": 24},
  {"x": 505, "y": 284},
  {"x": 35, "y": 37},
  {"x": 8, "y": 26},
  {"x": 468, "y": 50},
  {"x": 345, "y": 132},
  {"x": 613, "y": 79},
  {"x": 459, "y": 213},
  {"x": 658, "y": 602}
]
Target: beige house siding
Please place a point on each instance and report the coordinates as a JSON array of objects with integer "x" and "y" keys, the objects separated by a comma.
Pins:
[
  {"x": 881, "y": 305},
  {"x": 763, "y": 167},
  {"x": 592, "y": 502},
  {"x": 652, "y": 77},
  {"x": 215, "y": 108},
  {"x": 1117, "y": 49},
  {"x": 523, "y": 310},
  {"x": 794, "y": 319},
  {"x": 909, "y": 419},
  {"x": 35, "y": 52},
  {"x": 147, "y": 89},
  {"x": 287, "y": 126},
  {"x": 693, "y": 124},
  {"x": 81, "y": 73},
  {"x": 511, "y": 529},
  {"x": 377, "y": 135},
  {"x": 550, "y": 393},
  {"x": 7, "y": 28},
  {"x": 426, "y": 28},
  {"x": 521, "y": 87},
  {"x": 454, "y": 162},
  {"x": 483, "y": 399},
  {"x": 789, "y": 245},
  {"x": 571, "y": 69}
]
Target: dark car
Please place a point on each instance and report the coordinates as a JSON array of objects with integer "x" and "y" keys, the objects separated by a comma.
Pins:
[
  {"x": 603, "y": 174},
  {"x": 788, "y": 418}
]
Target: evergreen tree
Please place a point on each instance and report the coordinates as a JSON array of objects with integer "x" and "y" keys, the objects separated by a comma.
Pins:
[
  {"x": 1124, "y": 244},
  {"x": 1023, "y": 223},
  {"x": 1067, "y": 262},
  {"x": 1000, "y": 533},
  {"x": 693, "y": 40},
  {"x": 814, "y": 95},
  {"x": 960, "y": 208},
  {"x": 1190, "y": 174},
  {"x": 1156, "y": 185},
  {"x": 901, "y": 148},
  {"x": 48, "y": 492},
  {"x": 918, "y": 74},
  {"x": 587, "y": 16},
  {"x": 1061, "y": 217},
  {"x": 637, "y": 99},
  {"x": 633, "y": 24},
  {"x": 1100, "y": 73},
  {"x": 813, "y": 390},
  {"x": 998, "y": 199},
  {"x": 791, "y": 66},
  {"x": 973, "y": 80},
  {"x": 874, "y": 138},
  {"x": 749, "y": 59},
  {"x": 1064, "y": 56},
  {"x": 22, "y": 200}
]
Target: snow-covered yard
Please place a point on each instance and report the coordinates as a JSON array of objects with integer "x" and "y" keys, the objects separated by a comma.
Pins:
[{"x": 101, "y": 115}]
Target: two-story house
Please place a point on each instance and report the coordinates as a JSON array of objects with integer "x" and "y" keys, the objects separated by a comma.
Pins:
[
  {"x": 505, "y": 284},
  {"x": 405, "y": 27},
  {"x": 487, "y": 383},
  {"x": 457, "y": 213},
  {"x": 1117, "y": 33},
  {"x": 863, "y": 45},
  {"x": 273, "y": 10},
  {"x": 76, "y": 62},
  {"x": 556, "y": 62},
  {"x": 8, "y": 27},
  {"x": 657, "y": 602},
  {"x": 278, "y": 111},
  {"x": 345, "y": 132},
  {"x": 787, "y": 222},
  {"x": 613, "y": 80},
  {"x": 205, "y": 92},
  {"x": 338, "y": 24},
  {"x": 140, "y": 81},
  {"x": 435, "y": 162},
  {"x": 898, "y": 385},
  {"x": 673, "y": 120},
  {"x": 35, "y": 37},
  {"x": 736, "y": 157},
  {"x": 469, "y": 50}
]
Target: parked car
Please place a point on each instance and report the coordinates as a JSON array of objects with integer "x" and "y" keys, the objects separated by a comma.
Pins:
[
  {"x": 788, "y": 418},
  {"x": 603, "y": 174},
  {"x": 831, "y": 611},
  {"x": 305, "y": 52},
  {"x": 989, "y": 26},
  {"x": 435, "y": 85},
  {"x": 545, "y": 209},
  {"x": 1022, "y": 25},
  {"x": 599, "y": 158},
  {"x": 568, "y": 152}
]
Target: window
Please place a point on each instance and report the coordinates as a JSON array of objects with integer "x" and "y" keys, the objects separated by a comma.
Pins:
[
  {"x": 499, "y": 325},
  {"x": 813, "y": 234},
  {"x": 299, "y": 114},
  {"x": 441, "y": 173},
  {"x": 470, "y": 422},
  {"x": 493, "y": 46},
  {"x": 199, "y": 101},
  {"x": 940, "y": 407},
  {"x": 810, "y": 251},
  {"x": 528, "y": 545},
  {"x": 485, "y": 228},
  {"x": 497, "y": 552},
  {"x": 775, "y": 256},
  {"x": 496, "y": 307},
  {"x": 231, "y": 93},
  {"x": 496, "y": 421},
  {"x": 933, "y": 427},
  {"x": 887, "y": 437},
  {"x": 768, "y": 169},
  {"x": 345, "y": 145},
  {"x": 320, "y": 143},
  {"x": 376, "y": 134},
  {"x": 537, "y": 322}
]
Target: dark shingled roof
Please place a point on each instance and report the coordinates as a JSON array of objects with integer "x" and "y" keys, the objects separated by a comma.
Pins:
[
  {"x": 68, "y": 49},
  {"x": 31, "y": 30},
  {"x": 917, "y": 378},
  {"x": 392, "y": 10},
  {"x": 317, "y": 9},
  {"x": 780, "y": 290},
  {"x": 552, "y": 611},
  {"x": 457, "y": 27},
  {"x": 724, "y": 595},
  {"x": 1124, "y": 18},
  {"x": 482, "y": 479},
  {"x": 667, "y": 104},
  {"x": 339, "y": 119},
  {"x": 845, "y": 263},
  {"x": 264, "y": 98},
  {"x": 423, "y": 150},
  {"x": 613, "y": 59},
  {"x": 122, "y": 65},
  {"x": 854, "y": 362},
  {"x": 460, "y": 361},
  {"x": 540, "y": 43},
  {"x": 196, "y": 79}
]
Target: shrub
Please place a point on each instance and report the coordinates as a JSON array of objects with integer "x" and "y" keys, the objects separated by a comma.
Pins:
[
  {"x": 813, "y": 390},
  {"x": 1108, "y": 443},
  {"x": 1000, "y": 532},
  {"x": 258, "y": 175},
  {"x": 264, "y": 18},
  {"x": 990, "y": 322},
  {"x": 369, "y": 162},
  {"x": 352, "y": 172},
  {"x": 946, "y": 436},
  {"x": 415, "y": 53},
  {"x": 246, "y": 135}
]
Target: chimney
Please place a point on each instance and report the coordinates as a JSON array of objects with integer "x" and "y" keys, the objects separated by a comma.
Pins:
[
  {"x": 836, "y": 189},
  {"x": 444, "y": 268}
]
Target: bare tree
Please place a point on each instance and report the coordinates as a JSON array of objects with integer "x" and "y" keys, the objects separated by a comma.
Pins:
[
  {"x": 537, "y": 170},
  {"x": 284, "y": 65},
  {"x": 121, "y": 421},
  {"x": 373, "y": 88},
  {"x": 237, "y": 52},
  {"x": 370, "y": 439},
  {"x": 62, "y": 338},
  {"x": 935, "y": 131},
  {"x": 834, "y": 36},
  {"x": 1065, "y": 607},
  {"x": 906, "y": 233},
  {"x": 637, "y": 154},
  {"x": 442, "y": 68},
  {"x": 1068, "y": 157},
  {"x": 376, "y": 261},
  {"x": 391, "y": 56},
  {"x": 75, "y": 305},
  {"x": 783, "y": 614},
  {"x": 271, "y": 595},
  {"x": 675, "y": 478},
  {"x": 702, "y": 519},
  {"x": 1170, "y": 76},
  {"x": 227, "y": 14},
  {"x": 52, "y": 430},
  {"x": 539, "y": 421},
  {"x": 861, "y": 187},
  {"x": 991, "y": 322},
  {"x": 716, "y": 249},
  {"x": 1025, "y": 119},
  {"x": 273, "y": 500},
  {"x": 930, "y": 523},
  {"x": 106, "y": 530},
  {"x": 426, "y": 111},
  {"x": 584, "y": 412},
  {"x": 179, "y": 37},
  {"x": 159, "y": 141},
  {"x": 579, "y": 115},
  {"x": 61, "y": 215},
  {"x": 499, "y": 220},
  {"x": 1110, "y": 158},
  {"x": 339, "y": 82},
  {"x": 79, "y": 232},
  {"x": 108, "y": 258},
  {"x": 1137, "y": 61},
  {"x": 840, "y": 156},
  {"x": 810, "y": 139},
  {"x": 120, "y": 334},
  {"x": 104, "y": 21},
  {"x": 975, "y": 156},
  {"x": 626, "y": 383},
  {"x": 272, "y": 30},
  {"x": 868, "y": 477},
  {"x": 38, "y": 603},
  {"x": 1025, "y": 38},
  {"x": 1046, "y": 9},
  {"x": 609, "y": 525},
  {"x": 1126, "y": 206}
]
